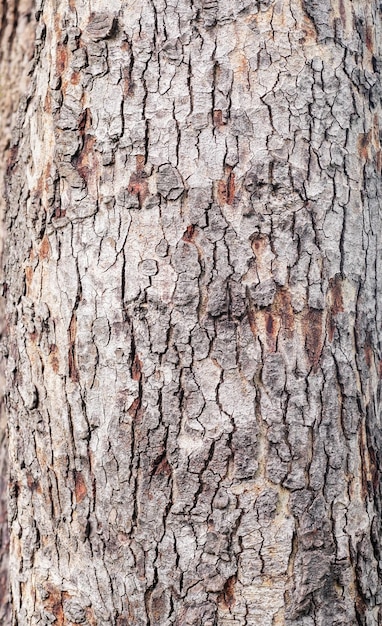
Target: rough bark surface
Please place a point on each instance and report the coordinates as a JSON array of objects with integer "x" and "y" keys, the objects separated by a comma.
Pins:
[
  {"x": 193, "y": 263},
  {"x": 16, "y": 47}
]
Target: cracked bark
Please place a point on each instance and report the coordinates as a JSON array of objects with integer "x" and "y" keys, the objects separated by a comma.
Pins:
[
  {"x": 16, "y": 48},
  {"x": 194, "y": 363}
]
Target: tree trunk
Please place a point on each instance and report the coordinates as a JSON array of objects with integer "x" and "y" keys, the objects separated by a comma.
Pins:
[{"x": 192, "y": 264}]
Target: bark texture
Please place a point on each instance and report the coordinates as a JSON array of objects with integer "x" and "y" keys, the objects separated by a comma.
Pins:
[
  {"x": 193, "y": 262},
  {"x": 16, "y": 47}
]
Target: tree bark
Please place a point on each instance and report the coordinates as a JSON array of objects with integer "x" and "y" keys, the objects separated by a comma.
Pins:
[
  {"x": 16, "y": 48},
  {"x": 194, "y": 359}
]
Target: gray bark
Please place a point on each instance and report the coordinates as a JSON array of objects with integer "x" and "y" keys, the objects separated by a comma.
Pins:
[
  {"x": 16, "y": 50},
  {"x": 194, "y": 360}
]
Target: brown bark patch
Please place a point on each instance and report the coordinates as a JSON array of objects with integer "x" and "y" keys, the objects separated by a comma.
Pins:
[
  {"x": 59, "y": 212},
  {"x": 136, "y": 368},
  {"x": 135, "y": 410},
  {"x": 226, "y": 188},
  {"x": 28, "y": 275},
  {"x": 138, "y": 186},
  {"x": 33, "y": 484},
  {"x": 227, "y": 598},
  {"x": 313, "y": 330},
  {"x": 282, "y": 307},
  {"x": 258, "y": 245},
  {"x": 48, "y": 102},
  {"x": 84, "y": 164},
  {"x": 140, "y": 162},
  {"x": 309, "y": 33},
  {"x": 79, "y": 487},
  {"x": 53, "y": 358},
  {"x": 368, "y": 355},
  {"x": 53, "y": 604},
  {"x": 189, "y": 234},
  {"x": 127, "y": 84},
  {"x": 272, "y": 327},
  {"x": 163, "y": 467},
  {"x": 369, "y": 38},
  {"x": 44, "y": 250},
  {"x": 85, "y": 122},
  {"x": 61, "y": 59},
  {"x": 336, "y": 295},
  {"x": 363, "y": 144},
  {"x": 75, "y": 78},
  {"x": 218, "y": 118}
]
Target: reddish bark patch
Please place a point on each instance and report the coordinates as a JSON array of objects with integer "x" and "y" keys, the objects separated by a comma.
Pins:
[
  {"x": 138, "y": 186},
  {"x": 272, "y": 327},
  {"x": 85, "y": 122},
  {"x": 336, "y": 295},
  {"x": 363, "y": 145},
  {"x": 127, "y": 83},
  {"x": 258, "y": 245},
  {"x": 136, "y": 368},
  {"x": 53, "y": 358},
  {"x": 231, "y": 188},
  {"x": 61, "y": 59},
  {"x": 134, "y": 410},
  {"x": 368, "y": 355},
  {"x": 140, "y": 162},
  {"x": 28, "y": 275},
  {"x": 33, "y": 337},
  {"x": 218, "y": 118},
  {"x": 91, "y": 617},
  {"x": 44, "y": 250},
  {"x": 189, "y": 234},
  {"x": 312, "y": 326},
  {"x": 227, "y": 597},
  {"x": 163, "y": 467},
  {"x": 75, "y": 78},
  {"x": 79, "y": 487},
  {"x": 48, "y": 102},
  {"x": 53, "y": 604},
  {"x": 369, "y": 38},
  {"x": 226, "y": 188},
  {"x": 33, "y": 484},
  {"x": 59, "y": 212},
  {"x": 308, "y": 30},
  {"x": 84, "y": 164}
]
